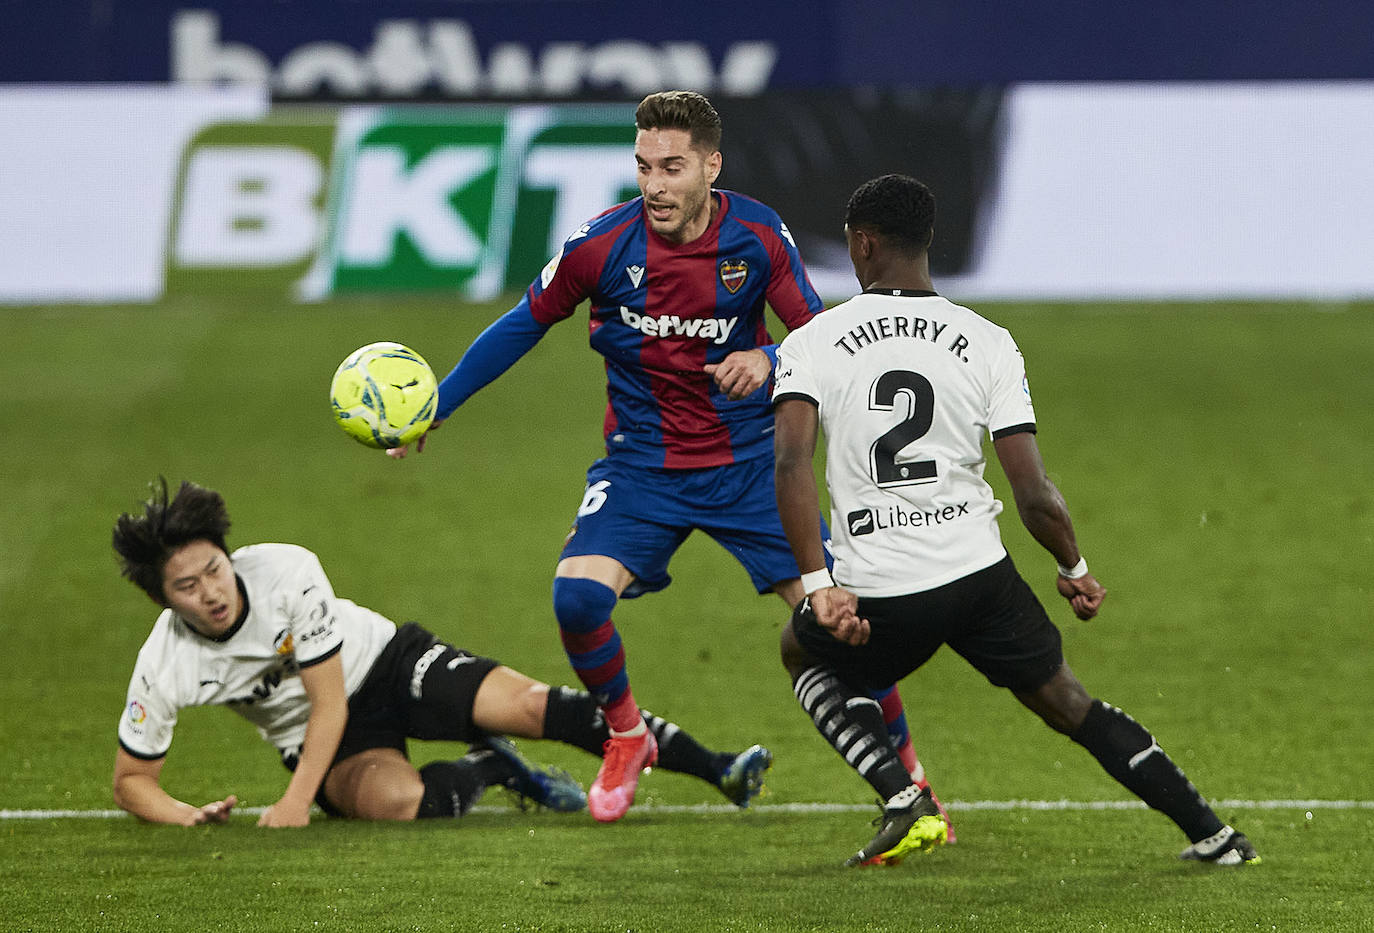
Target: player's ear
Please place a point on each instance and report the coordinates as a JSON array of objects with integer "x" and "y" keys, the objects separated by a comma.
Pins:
[
  {"x": 863, "y": 241},
  {"x": 714, "y": 162}
]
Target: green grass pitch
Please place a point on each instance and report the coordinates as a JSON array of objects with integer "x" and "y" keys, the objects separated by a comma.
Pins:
[{"x": 1215, "y": 458}]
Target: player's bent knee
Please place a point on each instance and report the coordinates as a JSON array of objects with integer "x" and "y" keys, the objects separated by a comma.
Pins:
[
  {"x": 390, "y": 801},
  {"x": 379, "y": 784},
  {"x": 532, "y": 706},
  {"x": 1062, "y": 702},
  {"x": 581, "y": 604}
]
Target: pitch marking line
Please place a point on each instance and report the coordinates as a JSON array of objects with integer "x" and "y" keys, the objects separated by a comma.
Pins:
[{"x": 701, "y": 808}]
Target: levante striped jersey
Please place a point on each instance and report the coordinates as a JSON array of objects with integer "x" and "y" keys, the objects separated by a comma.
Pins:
[{"x": 659, "y": 313}]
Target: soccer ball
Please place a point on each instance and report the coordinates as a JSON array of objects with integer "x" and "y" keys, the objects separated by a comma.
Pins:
[{"x": 384, "y": 395}]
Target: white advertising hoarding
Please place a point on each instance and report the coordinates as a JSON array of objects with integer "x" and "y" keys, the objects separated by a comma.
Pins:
[
  {"x": 1182, "y": 191},
  {"x": 87, "y": 178},
  {"x": 1157, "y": 191}
]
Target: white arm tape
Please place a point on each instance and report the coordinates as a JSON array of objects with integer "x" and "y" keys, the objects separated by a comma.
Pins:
[
  {"x": 1075, "y": 572},
  {"x": 816, "y": 580}
]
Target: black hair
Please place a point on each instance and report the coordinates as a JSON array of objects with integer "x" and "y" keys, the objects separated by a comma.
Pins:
[
  {"x": 681, "y": 110},
  {"x": 144, "y": 542},
  {"x": 896, "y": 207}
]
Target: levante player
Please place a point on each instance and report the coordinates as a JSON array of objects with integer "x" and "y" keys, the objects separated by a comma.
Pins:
[{"x": 678, "y": 280}]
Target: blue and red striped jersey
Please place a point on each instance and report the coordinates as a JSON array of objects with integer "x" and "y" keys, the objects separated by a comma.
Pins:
[{"x": 659, "y": 313}]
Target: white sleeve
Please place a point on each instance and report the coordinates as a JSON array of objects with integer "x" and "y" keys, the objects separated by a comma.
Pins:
[
  {"x": 793, "y": 373},
  {"x": 313, "y": 613},
  {"x": 1009, "y": 401},
  {"x": 150, "y": 714}
]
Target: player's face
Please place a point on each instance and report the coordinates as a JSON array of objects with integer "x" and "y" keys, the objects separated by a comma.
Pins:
[
  {"x": 675, "y": 179},
  {"x": 199, "y": 583}
]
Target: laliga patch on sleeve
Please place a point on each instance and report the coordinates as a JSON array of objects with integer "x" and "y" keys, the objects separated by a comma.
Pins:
[{"x": 550, "y": 269}]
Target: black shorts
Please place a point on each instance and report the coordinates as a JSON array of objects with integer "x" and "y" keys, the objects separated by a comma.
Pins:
[
  {"x": 990, "y": 617},
  {"x": 419, "y": 688}
]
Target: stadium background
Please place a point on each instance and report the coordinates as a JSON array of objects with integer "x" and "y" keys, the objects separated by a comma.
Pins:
[
  {"x": 1181, "y": 152},
  {"x": 206, "y": 206}
]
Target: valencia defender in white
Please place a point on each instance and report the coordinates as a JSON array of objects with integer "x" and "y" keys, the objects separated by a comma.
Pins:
[
  {"x": 906, "y": 386},
  {"x": 338, "y": 689}
]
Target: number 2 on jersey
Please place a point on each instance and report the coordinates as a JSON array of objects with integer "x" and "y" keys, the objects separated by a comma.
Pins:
[{"x": 919, "y": 396}]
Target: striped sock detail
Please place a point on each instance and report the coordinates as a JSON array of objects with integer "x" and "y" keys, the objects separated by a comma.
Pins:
[
  {"x": 599, "y": 660},
  {"x": 663, "y": 730},
  {"x": 583, "y": 609},
  {"x": 854, "y": 727}
]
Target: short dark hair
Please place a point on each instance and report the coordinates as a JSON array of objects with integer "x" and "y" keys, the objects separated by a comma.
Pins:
[
  {"x": 897, "y": 207},
  {"x": 681, "y": 110},
  {"x": 144, "y": 542}
]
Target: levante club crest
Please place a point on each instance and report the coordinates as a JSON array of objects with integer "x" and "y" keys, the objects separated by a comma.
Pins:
[{"x": 733, "y": 272}]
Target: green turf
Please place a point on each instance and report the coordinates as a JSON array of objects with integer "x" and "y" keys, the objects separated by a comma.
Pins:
[
  {"x": 1214, "y": 458},
  {"x": 751, "y": 872}
]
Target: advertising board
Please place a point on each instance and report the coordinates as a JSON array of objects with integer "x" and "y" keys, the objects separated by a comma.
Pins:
[
  {"x": 406, "y": 49},
  {"x": 1047, "y": 191}
]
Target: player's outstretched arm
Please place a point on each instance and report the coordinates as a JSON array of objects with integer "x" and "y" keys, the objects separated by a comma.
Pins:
[
  {"x": 1046, "y": 517},
  {"x": 137, "y": 790},
  {"x": 324, "y": 685},
  {"x": 495, "y": 350}
]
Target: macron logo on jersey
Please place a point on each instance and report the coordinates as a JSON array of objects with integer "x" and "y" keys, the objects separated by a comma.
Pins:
[{"x": 670, "y": 325}]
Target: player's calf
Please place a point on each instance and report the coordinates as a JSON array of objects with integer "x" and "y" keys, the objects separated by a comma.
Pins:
[{"x": 1129, "y": 753}]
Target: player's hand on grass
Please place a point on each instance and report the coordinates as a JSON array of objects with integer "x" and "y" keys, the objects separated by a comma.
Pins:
[
  {"x": 836, "y": 610},
  {"x": 285, "y": 813},
  {"x": 1085, "y": 594},
  {"x": 217, "y": 812},
  {"x": 399, "y": 453},
  {"x": 741, "y": 373}
]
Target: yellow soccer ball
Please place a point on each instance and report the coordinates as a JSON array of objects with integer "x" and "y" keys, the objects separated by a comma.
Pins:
[{"x": 384, "y": 395}]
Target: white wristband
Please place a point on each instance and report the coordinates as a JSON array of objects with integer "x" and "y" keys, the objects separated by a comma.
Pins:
[
  {"x": 1075, "y": 572},
  {"x": 816, "y": 580}
]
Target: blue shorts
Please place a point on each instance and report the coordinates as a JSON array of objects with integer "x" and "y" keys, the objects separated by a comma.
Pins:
[{"x": 641, "y": 515}]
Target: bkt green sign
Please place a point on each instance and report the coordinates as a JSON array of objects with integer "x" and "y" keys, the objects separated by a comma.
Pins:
[{"x": 365, "y": 199}]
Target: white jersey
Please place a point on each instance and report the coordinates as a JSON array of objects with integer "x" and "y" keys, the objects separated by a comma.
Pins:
[
  {"x": 294, "y": 620},
  {"x": 908, "y": 385}
]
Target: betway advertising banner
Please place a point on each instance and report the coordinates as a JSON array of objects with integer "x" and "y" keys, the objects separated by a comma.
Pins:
[
  {"x": 404, "y": 49},
  {"x": 1046, "y": 191}
]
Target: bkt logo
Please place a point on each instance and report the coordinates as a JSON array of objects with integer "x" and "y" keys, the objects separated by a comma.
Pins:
[
  {"x": 394, "y": 198},
  {"x": 867, "y": 521}
]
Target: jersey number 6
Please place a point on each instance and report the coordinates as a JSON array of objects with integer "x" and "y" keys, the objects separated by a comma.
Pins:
[{"x": 920, "y": 405}]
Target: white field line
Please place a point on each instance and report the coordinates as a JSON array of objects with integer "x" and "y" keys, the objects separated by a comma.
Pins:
[{"x": 956, "y": 805}]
